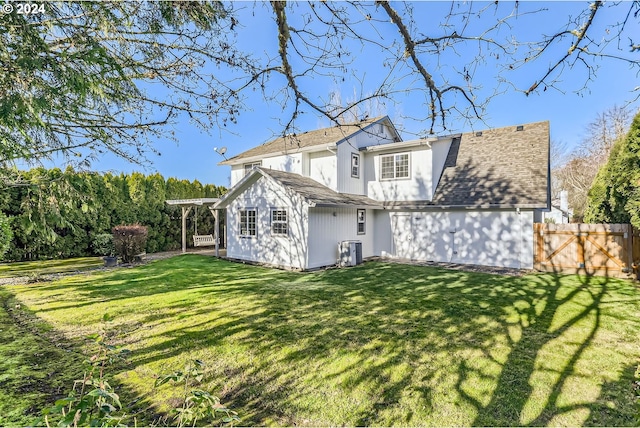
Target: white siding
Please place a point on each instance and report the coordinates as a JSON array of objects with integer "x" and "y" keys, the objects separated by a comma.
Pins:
[
  {"x": 374, "y": 135},
  {"x": 383, "y": 238},
  {"x": 415, "y": 188},
  {"x": 322, "y": 168},
  {"x": 492, "y": 238},
  {"x": 237, "y": 172},
  {"x": 288, "y": 163},
  {"x": 439, "y": 153},
  {"x": 287, "y": 251},
  {"x": 326, "y": 230},
  {"x": 347, "y": 183}
]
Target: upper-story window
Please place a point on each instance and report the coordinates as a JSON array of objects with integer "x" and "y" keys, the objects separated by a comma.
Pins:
[
  {"x": 355, "y": 165},
  {"x": 248, "y": 167},
  {"x": 394, "y": 166}
]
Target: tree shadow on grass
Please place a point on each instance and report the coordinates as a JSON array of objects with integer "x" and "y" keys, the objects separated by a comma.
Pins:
[
  {"x": 39, "y": 365},
  {"x": 383, "y": 344},
  {"x": 387, "y": 325},
  {"x": 540, "y": 381}
]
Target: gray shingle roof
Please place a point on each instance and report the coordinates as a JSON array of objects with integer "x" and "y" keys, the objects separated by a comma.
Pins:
[
  {"x": 295, "y": 142},
  {"x": 316, "y": 193},
  {"x": 502, "y": 168}
]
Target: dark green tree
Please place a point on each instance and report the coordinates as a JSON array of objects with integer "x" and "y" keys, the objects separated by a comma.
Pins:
[
  {"x": 59, "y": 213},
  {"x": 72, "y": 76},
  {"x": 6, "y": 234},
  {"x": 615, "y": 194}
]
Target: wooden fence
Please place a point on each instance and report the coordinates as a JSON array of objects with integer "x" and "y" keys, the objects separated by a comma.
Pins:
[{"x": 593, "y": 249}]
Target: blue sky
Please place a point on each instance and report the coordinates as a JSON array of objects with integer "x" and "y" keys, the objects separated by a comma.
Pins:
[{"x": 568, "y": 112}]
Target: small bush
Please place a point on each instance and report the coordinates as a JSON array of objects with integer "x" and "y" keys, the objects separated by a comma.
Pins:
[
  {"x": 6, "y": 235},
  {"x": 129, "y": 241},
  {"x": 103, "y": 244}
]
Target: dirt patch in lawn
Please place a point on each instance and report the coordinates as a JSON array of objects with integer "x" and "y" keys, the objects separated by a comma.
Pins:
[{"x": 461, "y": 267}]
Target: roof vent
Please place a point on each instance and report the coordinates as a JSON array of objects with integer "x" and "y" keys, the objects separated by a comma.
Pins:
[
  {"x": 479, "y": 134},
  {"x": 520, "y": 128}
]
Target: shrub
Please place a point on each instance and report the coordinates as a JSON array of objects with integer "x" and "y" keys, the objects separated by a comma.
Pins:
[
  {"x": 129, "y": 240},
  {"x": 6, "y": 235},
  {"x": 103, "y": 244}
]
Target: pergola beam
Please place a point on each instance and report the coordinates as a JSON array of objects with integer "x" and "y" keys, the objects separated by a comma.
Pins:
[{"x": 186, "y": 205}]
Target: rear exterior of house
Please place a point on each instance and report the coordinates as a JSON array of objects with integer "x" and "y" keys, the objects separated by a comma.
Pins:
[{"x": 466, "y": 198}]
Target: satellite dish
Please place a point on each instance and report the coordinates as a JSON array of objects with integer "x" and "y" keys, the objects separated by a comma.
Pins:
[{"x": 223, "y": 150}]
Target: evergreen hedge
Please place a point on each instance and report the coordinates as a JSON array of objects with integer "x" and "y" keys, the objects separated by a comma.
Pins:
[
  {"x": 614, "y": 196},
  {"x": 59, "y": 213}
]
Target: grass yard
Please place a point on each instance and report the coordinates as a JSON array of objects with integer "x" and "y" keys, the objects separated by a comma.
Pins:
[
  {"x": 44, "y": 267},
  {"x": 378, "y": 344}
]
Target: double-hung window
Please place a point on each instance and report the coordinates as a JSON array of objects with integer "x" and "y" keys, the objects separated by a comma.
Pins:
[
  {"x": 355, "y": 165},
  {"x": 279, "y": 223},
  {"x": 362, "y": 220},
  {"x": 247, "y": 222},
  {"x": 248, "y": 167},
  {"x": 394, "y": 166}
]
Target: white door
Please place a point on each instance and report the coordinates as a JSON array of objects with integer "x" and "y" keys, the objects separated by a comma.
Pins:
[{"x": 402, "y": 235}]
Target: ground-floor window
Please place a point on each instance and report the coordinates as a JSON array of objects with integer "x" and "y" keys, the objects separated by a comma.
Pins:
[
  {"x": 279, "y": 223},
  {"x": 247, "y": 225},
  {"x": 362, "y": 219}
]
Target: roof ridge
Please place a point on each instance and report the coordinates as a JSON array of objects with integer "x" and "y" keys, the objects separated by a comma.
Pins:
[{"x": 307, "y": 139}]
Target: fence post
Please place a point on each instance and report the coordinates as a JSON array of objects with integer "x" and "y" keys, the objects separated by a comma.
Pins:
[{"x": 539, "y": 245}]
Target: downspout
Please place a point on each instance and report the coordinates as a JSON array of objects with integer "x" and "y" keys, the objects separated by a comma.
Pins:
[
  {"x": 331, "y": 151},
  {"x": 520, "y": 243}
]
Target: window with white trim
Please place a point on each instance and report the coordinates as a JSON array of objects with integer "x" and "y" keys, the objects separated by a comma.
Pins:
[
  {"x": 362, "y": 220},
  {"x": 247, "y": 222},
  {"x": 279, "y": 222},
  {"x": 394, "y": 166},
  {"x": 248, "y": 167},
  {"x": 355, "y": 165}
]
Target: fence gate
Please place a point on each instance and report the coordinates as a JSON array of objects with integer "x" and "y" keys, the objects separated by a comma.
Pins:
[{"x": 595, "y": 249}]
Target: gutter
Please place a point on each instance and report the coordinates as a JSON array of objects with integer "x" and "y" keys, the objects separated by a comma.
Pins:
[
  {"x": 404, "y": 144},
  {"x": 426, "y": 206},
  {"x": 240, "y": 161}
]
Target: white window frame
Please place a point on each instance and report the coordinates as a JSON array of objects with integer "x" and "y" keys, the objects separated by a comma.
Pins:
[
  {"x": 247, "y": 226},
  {"x": 395, "y": 157},
  {"x": 361, "y": 220},
  {"x": 248, "y": 167},
  {"x": 279, "y": 222},
  {"x": 355, "y": 165}
]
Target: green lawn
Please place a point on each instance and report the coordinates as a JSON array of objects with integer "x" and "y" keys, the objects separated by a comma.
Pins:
[
  {"x": 43, "y": 267},
  {"x": 378, "y": 344}
]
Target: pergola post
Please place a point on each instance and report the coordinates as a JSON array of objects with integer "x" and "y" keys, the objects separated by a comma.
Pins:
[
  {"x": 185, "y": 213},
  {"x": 215, "y": 229},
  {"x": 186, "y": 205}
]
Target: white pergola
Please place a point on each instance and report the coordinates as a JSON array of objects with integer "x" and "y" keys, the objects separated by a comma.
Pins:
[{"x": 187, "y": 205}]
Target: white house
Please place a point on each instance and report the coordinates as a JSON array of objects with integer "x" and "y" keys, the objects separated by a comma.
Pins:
[
  {"x": 559, "y": 212},
  {"x": 466, "y": 198}
]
